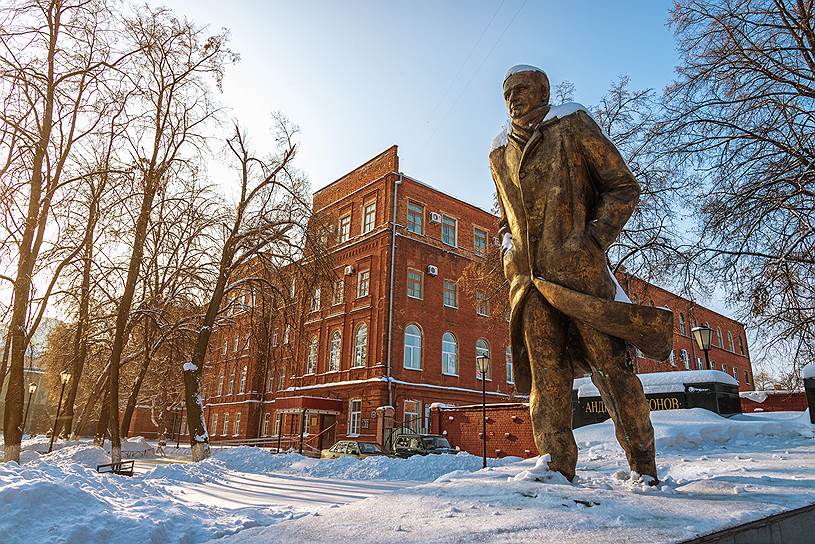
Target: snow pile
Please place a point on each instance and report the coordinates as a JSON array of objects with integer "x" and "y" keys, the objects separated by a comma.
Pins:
[
  {"x": 755, "y": 396},
  {"x": 417, "y": 468},
  {"x": 541, "y": 473},
  {"x": 697, "y": 428},
  {"x": 61, "y": 498},
  {"x": 663, "y": 382}
]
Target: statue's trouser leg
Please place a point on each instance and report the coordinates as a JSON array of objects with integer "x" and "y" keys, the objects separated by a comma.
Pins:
[
  {"x": 552, "y": 375},
  {"x": 623, "y": 397}
]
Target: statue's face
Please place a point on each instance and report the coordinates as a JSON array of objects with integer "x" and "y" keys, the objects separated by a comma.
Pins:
[{"x": 524, "y": 92}]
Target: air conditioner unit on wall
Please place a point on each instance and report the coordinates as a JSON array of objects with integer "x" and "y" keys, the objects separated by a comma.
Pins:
[
  {"x": 349, "y": 270},
  {"x": 432, "y": 270},
  {"x": 435, "y": 217}
]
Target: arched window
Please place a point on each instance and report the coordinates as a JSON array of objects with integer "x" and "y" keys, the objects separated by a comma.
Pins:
[
  {"x": 730, "y": 342},
  {"x": 741, "y": 347},
  {"x": 360, "y": 346},
  {"x": 719, "y": 337},
  {"x": 413, "y": 347},
  {"x": 242, "y": 385},
  {"x": 334, "y": 352},
  {"x": 311, "y": 359},
  {"x": 449, "y": 354},
  {"x": 508, "y": 361},
  {"x": 685, "y": 359},
  {"x": 483, "y": 348},
  {"x": 682, "y": 329}
]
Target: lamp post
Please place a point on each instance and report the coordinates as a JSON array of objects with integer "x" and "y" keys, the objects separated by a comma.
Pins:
[
  {"x": 32, "y": 387},
  {"x": 482, "y": 364},
  {"x": 702, "y": 336},
  {"x": 65, "y": 376}
]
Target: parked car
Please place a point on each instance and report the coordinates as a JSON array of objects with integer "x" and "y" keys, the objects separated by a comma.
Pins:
[
  {"x": 352, "y": 448},
  {"x": 421, "y": 444}
]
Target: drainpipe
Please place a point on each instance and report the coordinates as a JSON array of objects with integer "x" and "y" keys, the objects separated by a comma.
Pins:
[{"x": 396, "y": 184}]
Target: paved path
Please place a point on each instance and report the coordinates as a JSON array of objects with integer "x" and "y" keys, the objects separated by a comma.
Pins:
[{"x": 241, "y": 489}]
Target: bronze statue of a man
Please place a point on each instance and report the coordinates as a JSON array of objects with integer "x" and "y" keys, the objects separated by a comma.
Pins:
[{"x": 565, "y": 193}]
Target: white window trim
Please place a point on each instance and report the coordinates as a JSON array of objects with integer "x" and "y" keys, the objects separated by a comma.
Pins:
[
  {"x": 367, "y": 283},
  {"x": 351, "y": 416},
  {"x": 421, "y": 284},
  {"x": 486, "y": 240},
  {"x": 365, "y": 207},
  {"x": 422, "y": 215},
  {"x": 444, "y": 290}
]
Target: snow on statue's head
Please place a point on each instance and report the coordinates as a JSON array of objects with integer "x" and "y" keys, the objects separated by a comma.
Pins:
[{"x": 525, "y": 89}]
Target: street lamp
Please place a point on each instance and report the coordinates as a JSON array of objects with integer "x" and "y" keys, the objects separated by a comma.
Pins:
[
  {"x": 482, "y": 365},
  {"x": 702, "y": 336},
  {"x": 32, "y": 387},
  {"x": 65, "y": 377}
]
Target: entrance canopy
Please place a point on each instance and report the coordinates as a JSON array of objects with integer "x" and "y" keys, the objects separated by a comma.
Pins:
[{"x": 312, "y": 405}]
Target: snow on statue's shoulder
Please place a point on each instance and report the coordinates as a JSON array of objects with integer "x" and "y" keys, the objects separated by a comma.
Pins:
[{"x": 562, "y": 110}]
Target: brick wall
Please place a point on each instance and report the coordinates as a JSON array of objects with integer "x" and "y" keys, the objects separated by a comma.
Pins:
[
  {"x": 777, "y": 401},
  {"x": 509, "y": 431}
]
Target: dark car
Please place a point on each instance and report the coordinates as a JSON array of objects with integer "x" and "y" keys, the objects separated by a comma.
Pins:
[{"x": 421, "y": 444}]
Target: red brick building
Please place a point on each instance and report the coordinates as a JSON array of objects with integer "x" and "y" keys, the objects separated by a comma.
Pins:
[{"x": 361, "y": 349}]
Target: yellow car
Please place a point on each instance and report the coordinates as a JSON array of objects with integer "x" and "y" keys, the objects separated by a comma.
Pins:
[{"x": 352, "y": 448}]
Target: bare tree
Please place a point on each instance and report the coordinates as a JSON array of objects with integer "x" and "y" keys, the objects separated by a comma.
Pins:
[
  {"x": 742, "y": 122},
  {"x": 268, "y": 228},
  {"x": 54, "y": 57},
  {"x": 165, "y": 133}
]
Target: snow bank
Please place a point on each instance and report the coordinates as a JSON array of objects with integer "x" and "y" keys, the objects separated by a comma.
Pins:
[
  {"x": 59, "y": 498},
  {"x": 663, "y": 382},
  {"x": 417, "y": 468},
  {"x": 700, "y": 428}
]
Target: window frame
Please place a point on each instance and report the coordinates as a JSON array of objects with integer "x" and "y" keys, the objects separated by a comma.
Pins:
[
  {"x": 408, "y": 220},
  {"x": 454, "y": 291},
  {"x": 509, "y": 368},
  {"x": 486, "y": 241},
  {"x": 489, "y": 351},
  {"x": 366, "y": 214},
  {"x": 339, "y": 289},
  {"x": 363, "y": 279},
  {"x": 455, "y": 230},
  {"x": 334, "y": 351},
  {"x": 420, "y": 277},
  {"x": 242, "y": 382},
  {"x": 354, "y": 417},
  {"x": 312, "y": 355},
  {"x": 481, "y": 303},
  {"x": 359, "y": 358},
  {"x": 412, "y": 348},
  {"x": 237, "y": 427},
  {"x": 344, "y": 228},
  {"x": 446, "y": 354}
]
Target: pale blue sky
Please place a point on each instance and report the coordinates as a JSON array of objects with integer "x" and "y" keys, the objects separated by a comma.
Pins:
[{"x": 359, "y": 76}]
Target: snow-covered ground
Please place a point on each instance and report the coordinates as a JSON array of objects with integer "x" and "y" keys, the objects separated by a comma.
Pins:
[{"x": 715, "y": 472}]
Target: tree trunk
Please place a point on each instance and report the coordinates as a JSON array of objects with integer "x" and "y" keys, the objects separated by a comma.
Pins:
[
  {"x": 123, "y": 314},
  {"x": 102, "y": 424},
  {"x": 134, "y": 393}
]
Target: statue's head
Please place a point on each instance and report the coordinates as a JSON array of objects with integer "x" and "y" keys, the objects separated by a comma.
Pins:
[{"x": 525, "y": 89}]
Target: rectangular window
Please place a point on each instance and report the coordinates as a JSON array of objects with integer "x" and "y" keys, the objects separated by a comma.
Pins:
[
  {"x": 479, "y": 241},
  {"x": 450, "y": 294},
  {"x": 286, "y": 334},
  {"x": 354, "y": 416},
  {"x": 282, "y": 381},
  {"x": 482, "y": 305},
  {"x": 369, "y": 217},
  {"x": 412, "y": 410},
  {"x": 274, "y": 338},
  {"x": 363, "y": 281},
  {"x": 266, "y": 418},
  {"x": 214, "y": 424},
  {"x": 699, "y": 364},
  {"x": 746, "y": 377},
  {"x": 242, "y": 383},
  {"x": 736, "y": 373},
  {"x": 449, "y": 231},
  {"x": 236, "y": 344},
  {"x": 230, "y": 387},
  {"x": 685, "y": 359},
  {"x": 220, "y": 389},
  {"x": 508, "y": 359},
  {"x": 237, "y": 424},
  {"x": 415, "y": 218},
  {"x": 277, "y": 420},
  {"x": 414, "y": 283},
  {"x": 226, "y": 346},
  {"x": 339, "y": 292},
  {"x": 344, "y": 231},
  {"x": 225, "y": 430},
  {"x": 315, "y": 303}
]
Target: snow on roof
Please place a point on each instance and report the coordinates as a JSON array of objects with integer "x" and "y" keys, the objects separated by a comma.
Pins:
[
  {"x": 662, "y": 382},
  {"x": 808, "y": 371},
  {"x": 519, "y": 68}
]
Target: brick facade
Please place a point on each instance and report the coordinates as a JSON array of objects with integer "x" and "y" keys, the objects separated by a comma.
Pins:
[{"x": 435, "y": 237}]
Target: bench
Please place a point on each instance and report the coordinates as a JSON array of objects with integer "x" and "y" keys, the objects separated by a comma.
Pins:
[{"x": 125, "y": 468}]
